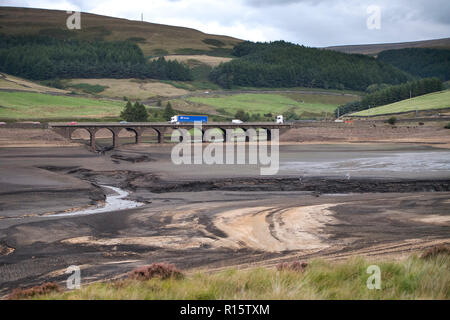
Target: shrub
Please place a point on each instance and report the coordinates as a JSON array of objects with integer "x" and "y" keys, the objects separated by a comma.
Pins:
[
  {"x": 89, "y": 88},
  {"x": 214, "y": 42},
  {"x": 435, "y": 251},
  {"x": 136, "y": 39},
  {"x": 168, "y": 112},
  {"x": 160, "y": 52},
  {"x": 291, "y": 115},
  {"x": 223, "y": 111},
  {"x": 392, "y": 120},
  {"x": 242, "y": 115},
  {"x": 54, "y": 83},
  {"x": 155, "y": 270},
  {"x": 292, "y": 266},
  {"x": 45, "y": 288},
  {"x": 134, "y": 113},
  {"x": 447, "y": 126}
]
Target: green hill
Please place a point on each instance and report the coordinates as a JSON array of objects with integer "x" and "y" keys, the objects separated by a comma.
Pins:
[
  {"x": 421, "y": 62},
  {"x": 435, "y": 100},
  {"x": 283, "y": 64}
]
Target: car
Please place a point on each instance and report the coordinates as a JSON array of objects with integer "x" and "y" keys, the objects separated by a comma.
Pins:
[
  {"x": 237, "y": 121},
  {"x": 73, "y": 123},
  {"x": 123, "y": 122},
  {"x": 2, "y": 123}
]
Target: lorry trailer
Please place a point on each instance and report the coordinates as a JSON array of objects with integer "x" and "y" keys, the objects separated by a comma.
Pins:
[{"x": 188, "y": 119}]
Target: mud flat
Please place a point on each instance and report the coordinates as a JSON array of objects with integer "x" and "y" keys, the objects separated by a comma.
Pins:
[{"x": 202, "y": 217}]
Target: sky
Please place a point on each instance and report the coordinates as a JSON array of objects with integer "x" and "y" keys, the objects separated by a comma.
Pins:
[{"x": 312, "y": 23}]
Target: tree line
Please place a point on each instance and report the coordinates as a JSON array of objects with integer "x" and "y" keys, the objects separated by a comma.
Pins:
[
  {"x": 421, "y": 62},
  {"x": 42, "y": 57},
  {"x": 392, "y": 94},
  {"x": 283, "y": 64}
]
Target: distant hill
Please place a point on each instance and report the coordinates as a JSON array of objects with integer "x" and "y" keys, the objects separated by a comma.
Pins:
[
  {"x": 152, "y": 38},
  {"x": 374, "y": 49}
]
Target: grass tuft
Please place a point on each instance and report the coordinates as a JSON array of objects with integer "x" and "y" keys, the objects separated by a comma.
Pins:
[
  {"x": 296, "y": 266},
  {"x": 436, "y": 251}
]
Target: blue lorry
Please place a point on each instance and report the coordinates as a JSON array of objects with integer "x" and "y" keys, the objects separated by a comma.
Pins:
[{"x": 185, "y": 119}]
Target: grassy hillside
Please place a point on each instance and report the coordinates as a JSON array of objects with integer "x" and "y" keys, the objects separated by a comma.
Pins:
[
  {"x": 36, "y": 106},
  {"x": 374, "y": 49},
  {"x": 436, "y": 100},
  {"x": 131, "y": 88},
  {"x": 306, "y": 105},
  {"x": 154, "y": 39},
  {"x": 414, "y": 278}
]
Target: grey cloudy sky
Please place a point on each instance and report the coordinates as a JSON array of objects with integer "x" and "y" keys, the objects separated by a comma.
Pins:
[{"x": 312, "y": 23}]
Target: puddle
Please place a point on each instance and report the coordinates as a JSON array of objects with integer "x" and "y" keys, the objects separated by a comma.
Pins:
[
  {"x": 390, "y": 163},
  {"x": 114, "y": 202}
]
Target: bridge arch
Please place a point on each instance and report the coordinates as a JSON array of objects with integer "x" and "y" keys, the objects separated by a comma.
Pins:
[
  {"x": 150, "y": 134},
  {"x": 251, "y": 134},
  {"x": 262, "y": 134},
  {"x": 196, "y": 133},
  {"x": 213, "y": 134},
  {"x": 268, "y": 134},
  {"x": 237, "y": 134},
  {"x": 81, "y": 134},
  {"x": 106, "y": 136},
  {"x": 124, "y": 135},
  {"x": 177, "y": 133}
]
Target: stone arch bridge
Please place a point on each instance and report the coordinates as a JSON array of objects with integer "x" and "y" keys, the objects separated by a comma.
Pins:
[{"x": 160, "y": 129}]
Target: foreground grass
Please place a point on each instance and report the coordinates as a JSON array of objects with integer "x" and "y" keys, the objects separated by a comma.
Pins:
[
  {"x": 435, "y": 100},
  {"x": 273, "y": 103},
  {"x": 30, "y": 106},
  {"x": 413, "y": 278}
]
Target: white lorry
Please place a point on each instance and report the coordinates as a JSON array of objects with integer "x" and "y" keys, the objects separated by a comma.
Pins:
[{"x": 280, "y": 119}]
